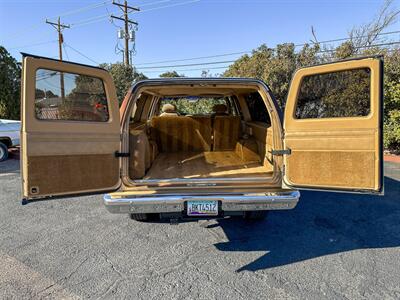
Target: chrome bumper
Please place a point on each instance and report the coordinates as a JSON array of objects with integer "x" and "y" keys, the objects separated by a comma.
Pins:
[{"x": 176, "y": 203}]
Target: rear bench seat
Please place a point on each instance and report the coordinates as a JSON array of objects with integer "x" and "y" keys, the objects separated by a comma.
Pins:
[
  {"x": 195, "y": 133},
  {"x": 181, "y": 133}
]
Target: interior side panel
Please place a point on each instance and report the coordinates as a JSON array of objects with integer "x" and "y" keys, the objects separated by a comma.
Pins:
[
  {"x": 264, "y": 136},
  {"x": 347, "y": 159},
  {"x": 62, "y": 174},
  {"x": 339, "y": 168}
]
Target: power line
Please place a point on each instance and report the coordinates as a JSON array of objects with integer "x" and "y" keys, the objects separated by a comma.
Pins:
[
  {"x": 250, "y": 51},
  {"x": 185, "y": 70},
  {"x": 90, "y": 20},
  {"x": 66, "y": 53},
  {"x": 67, "y": 13},
  {"x": 194, "y": 58},
  {"x": 83, "y": 55},
  {"x": 189, "y": 65},
  {"x": 231, "y": 61},
  {"x": 172, "y": 5},
  {"x": 156, "y": 2},
  {"x": 18, "y": 33},
  {"x": 366, "y": 46},
  {"x": 33, "y": 45},
  {"x": 82, "y": 9},
  {"x": 108, "y": 15}
]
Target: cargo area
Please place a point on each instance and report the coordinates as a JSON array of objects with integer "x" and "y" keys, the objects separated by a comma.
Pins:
[
  {"x": 227, "y": 164},
  {"x": 198, "y": 136}
]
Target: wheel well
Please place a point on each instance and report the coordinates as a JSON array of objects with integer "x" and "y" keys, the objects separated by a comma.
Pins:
[{"x": 6, "y": 141}]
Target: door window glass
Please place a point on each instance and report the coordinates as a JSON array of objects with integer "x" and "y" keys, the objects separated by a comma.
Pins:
[
  {"x": 67, "y": 96},
  {"x": 336, "y": 94},
  {"x": 258, "y": 110}
]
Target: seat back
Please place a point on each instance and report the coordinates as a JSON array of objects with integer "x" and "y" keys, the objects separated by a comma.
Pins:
[
  {"x": 226, "y": 132},
  {"x": 181, "y": 133}
]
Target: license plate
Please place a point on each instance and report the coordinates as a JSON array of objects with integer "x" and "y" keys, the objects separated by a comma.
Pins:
[{"x": 202, "y": 208}]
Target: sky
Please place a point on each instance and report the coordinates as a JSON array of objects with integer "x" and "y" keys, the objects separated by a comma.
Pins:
[{"x": 177, "y": 29}]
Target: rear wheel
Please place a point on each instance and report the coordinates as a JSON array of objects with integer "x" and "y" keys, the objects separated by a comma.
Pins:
[
  {"x": 139, "y": 217},
  {"x": 3, "y": 152},
  {"x": 255, "y": 215},
  {"x": 145, "y": 217}
]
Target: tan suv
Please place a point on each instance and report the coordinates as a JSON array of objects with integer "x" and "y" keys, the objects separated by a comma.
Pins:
[{"x": 200, "y": 147}]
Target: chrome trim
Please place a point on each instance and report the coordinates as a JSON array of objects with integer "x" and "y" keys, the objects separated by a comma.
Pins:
[
  {"x": 176, "y": 203},
  {"x": 212, "y": 180}
]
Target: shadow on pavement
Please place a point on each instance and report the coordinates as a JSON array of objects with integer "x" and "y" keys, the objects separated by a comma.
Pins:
[
  {"x": 9, "y": 166},
  {"x": 322, "y": 224}
]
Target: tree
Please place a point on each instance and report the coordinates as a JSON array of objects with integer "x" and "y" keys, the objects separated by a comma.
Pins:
[
  {"x": 171, "y": 74},
  {"x": 10, "y": 85},
  {"x": 274, "y": 66},
  {"x": 392, "y": 116},
  {"x": 124, "y": 76}
]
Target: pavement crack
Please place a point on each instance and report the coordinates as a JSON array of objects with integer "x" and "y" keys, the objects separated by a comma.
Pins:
[
  {"x": 107, "y": 259},
  {"x": 46, "y": 288},
  {"x": 76, "y": 269},
  {"x": 115, "y": 283}
]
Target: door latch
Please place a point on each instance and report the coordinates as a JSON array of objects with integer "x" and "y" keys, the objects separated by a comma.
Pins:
[
  {"x": 121, "y": 154},
  {"x": 281, "y": 152}
]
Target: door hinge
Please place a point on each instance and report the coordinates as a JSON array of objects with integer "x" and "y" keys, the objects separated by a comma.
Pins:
[
  {"x": 121, "y": 154},
  {"x": 281, "y": 152}
]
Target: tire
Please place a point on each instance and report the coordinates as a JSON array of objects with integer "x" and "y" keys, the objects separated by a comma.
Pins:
[
  {"x": 255, "y": 215},
  {"x": 145, "y": 217},
  {"x": 139, "y": 217},
  {"x": 3, "y": 152}
]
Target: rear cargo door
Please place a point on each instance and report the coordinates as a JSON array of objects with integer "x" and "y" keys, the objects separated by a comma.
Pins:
[
  {"x": 70, "y": 129},
  {"x": 333, "y": 127}
]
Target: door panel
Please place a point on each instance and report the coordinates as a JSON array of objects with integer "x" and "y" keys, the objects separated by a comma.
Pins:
[
  {"x": 70, "y": 129},
  {"x": 333, "y": 127}
]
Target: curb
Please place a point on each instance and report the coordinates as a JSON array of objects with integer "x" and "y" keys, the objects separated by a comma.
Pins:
[{"x": 392, "y": 158}]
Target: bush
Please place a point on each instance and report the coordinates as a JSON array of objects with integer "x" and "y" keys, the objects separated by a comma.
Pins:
[{"x": 391, "y": 137}]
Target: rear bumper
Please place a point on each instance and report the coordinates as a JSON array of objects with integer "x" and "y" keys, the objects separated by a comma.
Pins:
[{"x": 176, "y": 203}]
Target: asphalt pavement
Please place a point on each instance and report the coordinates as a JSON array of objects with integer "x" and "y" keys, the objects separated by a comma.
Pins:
[{"x": 332, "y": 245}]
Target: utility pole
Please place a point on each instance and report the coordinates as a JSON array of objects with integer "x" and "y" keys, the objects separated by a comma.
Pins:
[
  {"x": 59, "y": 27},
  {"x": 125, "y": 9}
]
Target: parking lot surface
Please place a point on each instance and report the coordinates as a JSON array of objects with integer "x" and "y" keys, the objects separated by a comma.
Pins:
[{"x": 331, "y": 245}]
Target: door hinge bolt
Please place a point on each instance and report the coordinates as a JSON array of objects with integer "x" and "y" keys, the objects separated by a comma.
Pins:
[{"x": 281, "y": 152}]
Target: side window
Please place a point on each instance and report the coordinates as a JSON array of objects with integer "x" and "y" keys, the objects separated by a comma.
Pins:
[
  {"x": 193, "y": 105},
  {"x": 336, "y": 94},
  {"x": 67, "y": 96},
  {"x": 257, "y": 108}
]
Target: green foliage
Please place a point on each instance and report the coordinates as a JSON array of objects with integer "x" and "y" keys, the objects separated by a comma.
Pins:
[
  {"x": 10, "y": 74},
  {"x": 124, "y": 76},
  {"x": 171, "y": 74},
  {"x": 194, "y": 106},
  {"x": 392, "y": 116},
  {"x": 275, "y": 67}
]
